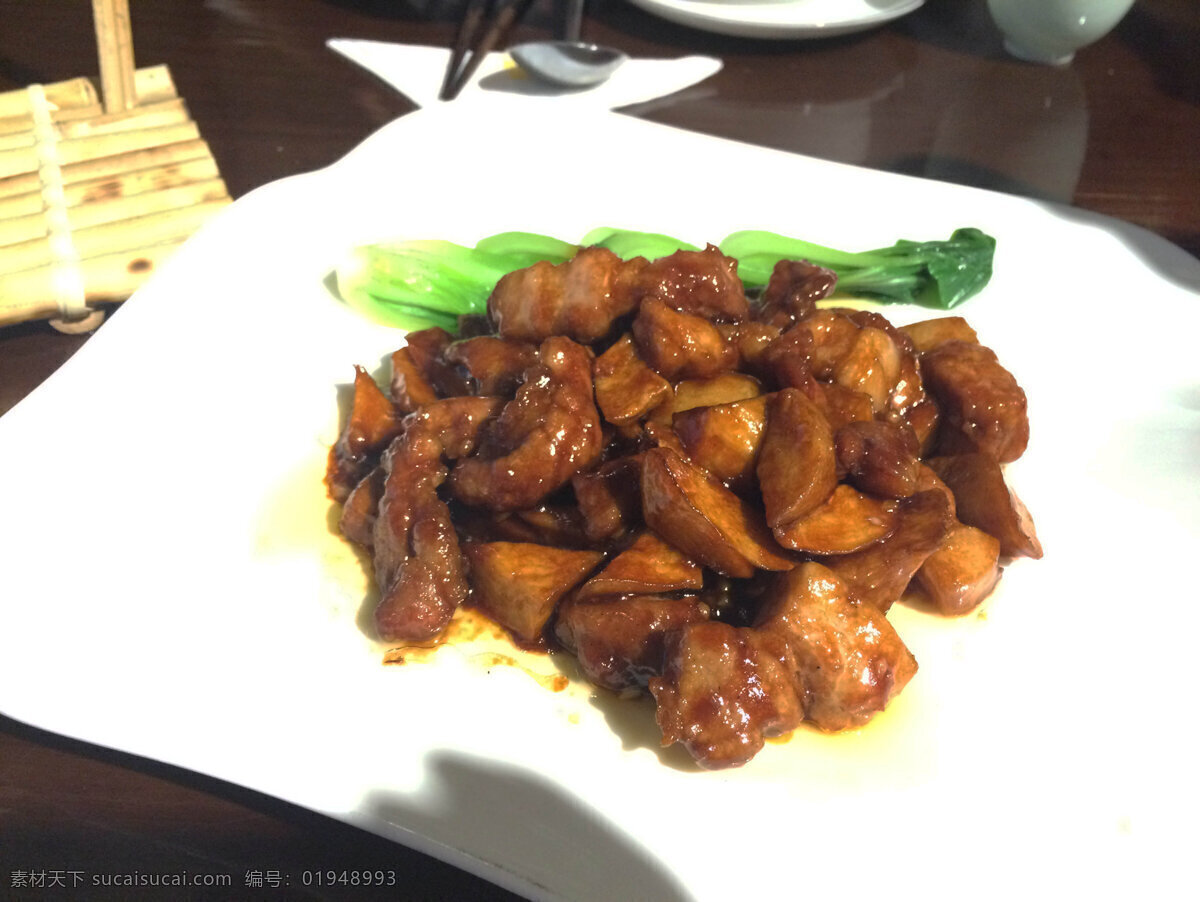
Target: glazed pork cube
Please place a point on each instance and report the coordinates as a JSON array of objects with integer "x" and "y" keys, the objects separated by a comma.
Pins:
[
  {"x": 982, "y": 406},
  {"x": 848, "y": 657},
  {"x": 724, "y": 689},
  {"x": 619, "y": 640}
]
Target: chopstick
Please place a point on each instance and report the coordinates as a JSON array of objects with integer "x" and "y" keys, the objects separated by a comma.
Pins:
[{"x": 485, "y": 23}]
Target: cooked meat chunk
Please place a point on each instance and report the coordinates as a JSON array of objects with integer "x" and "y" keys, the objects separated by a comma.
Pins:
[
  {"x": 418, "y": 565},
  {"x": 361, "y": 507},
  {"x": 519, "y": 583},
  {"x": 904, "y": 399},
  {"x": 879, "y": 573},
  {"x": 581, "y": 298},
  {"x": 373, "y": 423},
  {"x": 929, "y": 333},
  {"x": 923, "y": 418},
  {"x": 750, "y": 340},
  {"x": 982, "y": 406},
  {"x": 878, "y": 457},
  {"x": 680, "y": 345},
  {"x": 703, "y": 283},
  {"x": 846, "y": 521},
  {"x": 627, "y": 388},
  {"x": 871, "y": 366},
  {"x": 649, "y": 566},
  {"x": 723, "y": 388},
  {"x": 858, "y": 353},
  {"x": 560, "y": 525},
  {"x": 788, "y": 360},
  {"x": 409, "y": 388},
  {"x": 619, "y": 641},
  {"x": 420, "y": 369},
  {"x": 494, "y": 366},
  {"x": 963, "y": 571},
  {"x": 723, "y": 689},
  {"x": 691, "y": 510},
  {"x": 832, "y": 334},
  {"x": 549, "y": 432},
  {"x": 725, "y": 439},
  {"x": 871, "y": 319},
  {"x": 610, "y": 498},
  {"x": 841, "y": 405},
  {"x": 428, "y": 585},
  {"x": 792, "y": 292},
  {"x": 797, "y": 466},
  {"x": 849, "y": 660},
  {"x": 982, "y": 498},
  {"x": 659, "y": 435}
]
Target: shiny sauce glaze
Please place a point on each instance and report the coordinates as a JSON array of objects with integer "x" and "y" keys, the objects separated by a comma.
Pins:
[{"x": 710, "y": 502}]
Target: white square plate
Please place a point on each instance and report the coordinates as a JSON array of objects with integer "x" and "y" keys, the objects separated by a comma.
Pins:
[{"x": 170, "y": 584}]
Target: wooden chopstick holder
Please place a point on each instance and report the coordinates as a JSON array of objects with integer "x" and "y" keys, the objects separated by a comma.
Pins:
[{"x": 97, "y": 190}]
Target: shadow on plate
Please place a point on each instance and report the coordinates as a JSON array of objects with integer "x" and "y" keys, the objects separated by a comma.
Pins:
[
  {"x": 515, "y": 81},
  {"x": 523, "y": 832},
  {"x": 630, "y": 717}
]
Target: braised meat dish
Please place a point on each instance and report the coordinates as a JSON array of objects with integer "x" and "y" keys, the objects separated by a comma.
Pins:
[{"x": 709, "y": 498}]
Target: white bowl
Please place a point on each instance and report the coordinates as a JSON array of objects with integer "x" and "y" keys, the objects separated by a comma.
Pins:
[{"x": 1050, "y": 31}]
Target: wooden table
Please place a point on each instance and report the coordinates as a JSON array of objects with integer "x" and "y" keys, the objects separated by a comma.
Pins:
[{"x": 932, "y": 94}]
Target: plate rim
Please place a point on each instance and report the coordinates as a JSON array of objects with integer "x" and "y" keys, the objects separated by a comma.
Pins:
[{"x": 778, "y": 20}]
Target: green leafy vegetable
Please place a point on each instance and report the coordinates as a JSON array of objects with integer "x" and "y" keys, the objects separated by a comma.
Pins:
[
  {"x": 416, "y": 284},
  {"x": 526, "y": 248},
  {"x": 627, "y": 245},
  {"x": 939, "y": 274}
]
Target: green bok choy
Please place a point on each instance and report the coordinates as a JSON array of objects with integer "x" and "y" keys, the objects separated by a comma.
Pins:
[{"x": 416, "y": 284}]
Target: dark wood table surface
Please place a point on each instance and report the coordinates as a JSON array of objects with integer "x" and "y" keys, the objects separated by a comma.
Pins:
[{"x": 932, "y": 94}]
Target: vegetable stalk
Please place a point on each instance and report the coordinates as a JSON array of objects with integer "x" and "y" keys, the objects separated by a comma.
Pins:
[{"x": 415, "y": 284}]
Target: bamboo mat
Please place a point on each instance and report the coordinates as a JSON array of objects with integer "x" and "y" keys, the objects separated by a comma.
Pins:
[{"x": 97, "y": 187}]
